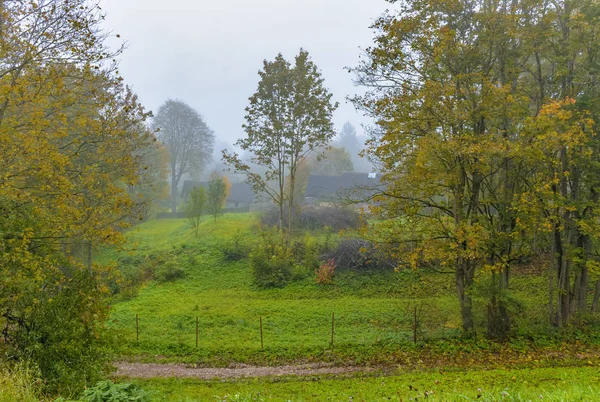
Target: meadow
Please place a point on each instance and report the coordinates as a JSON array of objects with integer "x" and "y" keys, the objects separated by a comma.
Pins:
[
  {"x": 542, "y": 384},
  {"x": 374, "y": 310}
]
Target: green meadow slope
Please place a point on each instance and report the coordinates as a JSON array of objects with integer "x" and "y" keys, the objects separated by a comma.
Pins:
[{"x": 374, "y": 311}]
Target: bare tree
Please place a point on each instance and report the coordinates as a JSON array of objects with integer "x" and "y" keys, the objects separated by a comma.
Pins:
[{"x": 187, "y": 138}]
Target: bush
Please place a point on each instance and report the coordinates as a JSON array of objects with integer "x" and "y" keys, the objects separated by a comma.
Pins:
[
  {"x": 271, "y": 264},
  {"x": 312, "y": 218},
  {"x": 336, "y": 218},
  {"x": 132, "y": 272},
  {"x": 164, "y": 267},
  {"x": 306, "y": 255},
  {"x": 63, "y": 334},
  {"x": 107, "y": 391},
  {"x": 325, "y": 272},
  {"x": 168, "y": 269},
  {"x": 306, "y": 252},
  {"x": 235, "y": 249},
  {"x": 359, "y": 254},
  {"x": 271, "y": 268}
]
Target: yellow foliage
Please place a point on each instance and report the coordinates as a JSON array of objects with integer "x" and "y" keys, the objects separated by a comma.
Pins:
[{"x": 70, "y": 140}]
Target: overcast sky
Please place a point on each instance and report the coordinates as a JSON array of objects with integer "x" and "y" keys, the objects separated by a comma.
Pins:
[{"x": 208, "y": 52}]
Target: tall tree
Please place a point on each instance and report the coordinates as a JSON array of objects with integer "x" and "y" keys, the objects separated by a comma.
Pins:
[
  {"x": 488, "y": 141},
  {"x": 348, "y": 139},
  {"x": 355, "y": 145},
  {"x": 289, "y": 117},
  {"x": 187, "y": 138},
  {"x": 70, "y": 142}
]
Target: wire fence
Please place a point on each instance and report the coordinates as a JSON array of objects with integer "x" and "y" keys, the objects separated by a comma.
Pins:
[{"x": 413, "y": 330}]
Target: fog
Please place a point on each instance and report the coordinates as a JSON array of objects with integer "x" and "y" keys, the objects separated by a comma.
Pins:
[{"x": 208, "y": 52}]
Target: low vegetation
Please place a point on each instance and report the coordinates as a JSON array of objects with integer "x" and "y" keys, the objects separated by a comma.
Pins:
[
  {"x": 379, "y": 313},
  {"x": 19, "y": 383},
  {"x": 547, "y": 384}
]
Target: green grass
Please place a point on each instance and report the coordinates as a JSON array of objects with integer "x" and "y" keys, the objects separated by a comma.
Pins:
[
  {"x": 19, "y": 384},
  {"x": 373, "y": 312},
  {"x": 542, "y": 384}
]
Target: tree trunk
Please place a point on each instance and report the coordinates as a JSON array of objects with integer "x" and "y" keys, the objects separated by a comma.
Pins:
[
  {"x": 596, "y": 297},
  {"x": 498, "y": 316},
  {"x": 281, "y": 216},
  {"x": 290, "y": 223},
  {"x": 173, "y": 191},
  {"x": 551, "y": 270},
  {"x": 580, "y": 288},
  {"x": 564, "y": 242},
  {"x": 464, "y": 281},
  {"x": 89, "y": 256},
  {"x": 564, "y": 295}
]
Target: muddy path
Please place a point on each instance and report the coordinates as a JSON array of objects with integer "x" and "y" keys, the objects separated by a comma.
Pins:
[{"x": 153, "y": 370}]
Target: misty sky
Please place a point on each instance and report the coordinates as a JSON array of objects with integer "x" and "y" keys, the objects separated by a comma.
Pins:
[{"x": 208, "y": 52}]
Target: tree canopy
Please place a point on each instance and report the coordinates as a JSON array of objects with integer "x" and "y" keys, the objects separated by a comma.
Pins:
[
  {"x": 488, "y": 122},
  {"x": 188, "y": 139},
  {"x": 71, "y": 141},
  {"x": 288, "y": 118}
]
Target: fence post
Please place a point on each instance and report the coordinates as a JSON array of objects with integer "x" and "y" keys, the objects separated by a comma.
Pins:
[
  {"x": 415, "y": 325},
  {"x": 262, "y": 346},
  {"x": 196, "y": 332},
  {"x": 137, "y": 329},
  {"x": 332, "y": 326}
]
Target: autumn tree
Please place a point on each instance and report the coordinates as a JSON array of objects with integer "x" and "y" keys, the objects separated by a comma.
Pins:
[
  {"x": 152, "y": 186},
  {"x": 70, "y": 141},
  {"x": 566, "y": 135},
  {"x": 289, "y": 117},
  {"x": 443, "y": 105},
  {"x": 187, "y": 138},
  {"x": 217, "y": 192},
  {"x": 487, "y": 141}
]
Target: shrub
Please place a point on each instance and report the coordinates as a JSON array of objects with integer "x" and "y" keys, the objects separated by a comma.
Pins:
[
  {"x": 235, "y": 249},
  {"x": 271, "y": 268},
  {"x": 336, "y": 218},
  {"x": 359, "y": 254},
  {"x": 132, "y": 272},
  {"x": 325, "y": 272},
  {"x": 168, "y": 270},
  {"x": 107, "y": 391},
  {"x": 271, "y": 264},
  {"x": 306, "y": 252},
  {"x": 63, "y": 334},
  {"x": 311, "y": 217}
]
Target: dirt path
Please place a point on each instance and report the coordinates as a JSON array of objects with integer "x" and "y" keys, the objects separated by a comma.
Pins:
[{"x": 153, "y": 370}]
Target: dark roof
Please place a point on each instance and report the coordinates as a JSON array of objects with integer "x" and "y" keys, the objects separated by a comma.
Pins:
[
  {"x": 355, "y": 186},
  {"x": 240, "y": 192}
]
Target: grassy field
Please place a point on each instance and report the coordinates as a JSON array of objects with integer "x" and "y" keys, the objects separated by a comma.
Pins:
[
  {"x": 544, "y": 384},
  {"x": 374, "y": 311}
]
